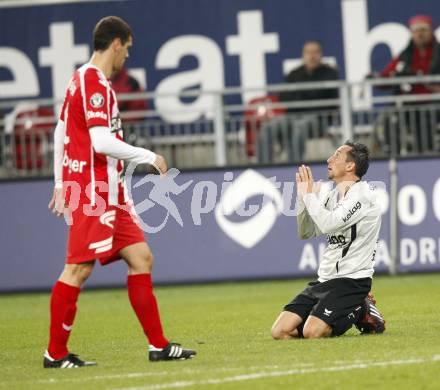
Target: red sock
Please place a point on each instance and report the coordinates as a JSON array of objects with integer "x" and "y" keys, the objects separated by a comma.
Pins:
[
  {"x": 62, "y": 314},
  {"x": 143, "y": 301}
]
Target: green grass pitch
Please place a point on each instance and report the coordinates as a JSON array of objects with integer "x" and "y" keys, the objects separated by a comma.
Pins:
[{"x": 229, "y": 326}]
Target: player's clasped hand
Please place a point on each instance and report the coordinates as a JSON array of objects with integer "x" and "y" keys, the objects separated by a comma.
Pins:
[
  {"x": 304, "y": 181},
  {"x": 57, "y": 203},
  {"x": 160, "y": 164}
]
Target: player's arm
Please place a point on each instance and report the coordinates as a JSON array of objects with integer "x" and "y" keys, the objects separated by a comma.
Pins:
[
  {"x": 350, "y": 211},
  {"x": 306, "y": 226},
  {"x": 57, "y": 203},
  {"x": 104, "y": 142},
  {"x": 96, "y": 91}
]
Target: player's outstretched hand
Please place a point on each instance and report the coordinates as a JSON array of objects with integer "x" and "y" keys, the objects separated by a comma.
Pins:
[
  {"x": 160, "y": 164},
  {"x": 57, "y": 203}
]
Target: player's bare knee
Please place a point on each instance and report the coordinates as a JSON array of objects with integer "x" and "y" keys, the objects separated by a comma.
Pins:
[
  {"x": 77, "y": 274},
  {"x": 142, "y": 263},
  {"x": 310, "y": 333},
  {"x": 149, "y": 259},
  {"x": 83, "y": 272},
  {"x": 145, "y": 262},
  {"x": 313, "y": 332},
  {"x": 276, "y": 333}
]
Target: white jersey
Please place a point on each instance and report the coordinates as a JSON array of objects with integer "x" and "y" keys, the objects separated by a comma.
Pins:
[{"x": 352, "y": 225}]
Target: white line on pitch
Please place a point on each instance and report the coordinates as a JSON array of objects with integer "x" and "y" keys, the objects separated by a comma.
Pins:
[
  {"x": 158, "y": 373},
  {"x": 300, "y": 371}
]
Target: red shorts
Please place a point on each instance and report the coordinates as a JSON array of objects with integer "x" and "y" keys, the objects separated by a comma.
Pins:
[{"x": 102, "y": 236}]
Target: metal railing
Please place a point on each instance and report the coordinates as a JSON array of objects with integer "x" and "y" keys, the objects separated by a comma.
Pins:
[{"x": 224, "y": 131}]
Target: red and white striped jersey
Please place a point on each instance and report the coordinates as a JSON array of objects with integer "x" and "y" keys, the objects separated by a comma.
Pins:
[{"x": 90, "y": 101}]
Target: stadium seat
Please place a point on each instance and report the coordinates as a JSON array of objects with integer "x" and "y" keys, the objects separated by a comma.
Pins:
[
  {"x": 260, "y": 111},
  {"x": 30, "y": 127}
]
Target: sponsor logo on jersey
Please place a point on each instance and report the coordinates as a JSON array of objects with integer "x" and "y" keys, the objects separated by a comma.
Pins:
[
  {"x": 336, "y": 240},
  {"x": 351, "y": 212},
  {"x": 97, "y": 100},
  {"x": 108, "y": 218},
  {"x": 74, "y": 165},
  {"x": 116, "y": 124},
  {"x": 96, "y": 114},
  {"x": 327, "y": 312}
]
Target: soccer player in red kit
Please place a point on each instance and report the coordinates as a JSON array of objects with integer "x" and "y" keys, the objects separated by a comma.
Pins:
[{"x": 88, "y": 154}]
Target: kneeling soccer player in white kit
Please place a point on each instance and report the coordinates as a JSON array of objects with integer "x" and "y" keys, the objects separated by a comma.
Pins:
[{"x": 350, "y": 217}]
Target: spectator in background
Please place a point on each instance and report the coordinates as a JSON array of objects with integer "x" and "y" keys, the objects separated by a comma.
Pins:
[
  {"x": 122, "y": 83},
  {"x": 421, "y": 57},
  {"x": 301, "y": 124},
  {"x": 312, "y": 70}
]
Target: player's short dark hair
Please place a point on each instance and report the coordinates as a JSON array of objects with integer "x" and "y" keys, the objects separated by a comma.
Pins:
[
  {"x": 108, "y": 29},
  {"x": 360, "y": 154}
]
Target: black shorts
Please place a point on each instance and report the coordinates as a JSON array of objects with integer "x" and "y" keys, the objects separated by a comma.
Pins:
[{"x": 338, "y": 302}]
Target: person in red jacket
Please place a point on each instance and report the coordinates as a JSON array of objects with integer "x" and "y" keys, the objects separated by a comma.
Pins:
[
  {"x": 122, "y": 83},
  {"x": 418, "y": 129},
  {"x": 420, "y": 57}
]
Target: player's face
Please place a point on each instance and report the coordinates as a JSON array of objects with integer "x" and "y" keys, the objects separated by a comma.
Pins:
[
  {"x": 121, "y": 55},
  {"x": 337, "y": 163}
]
